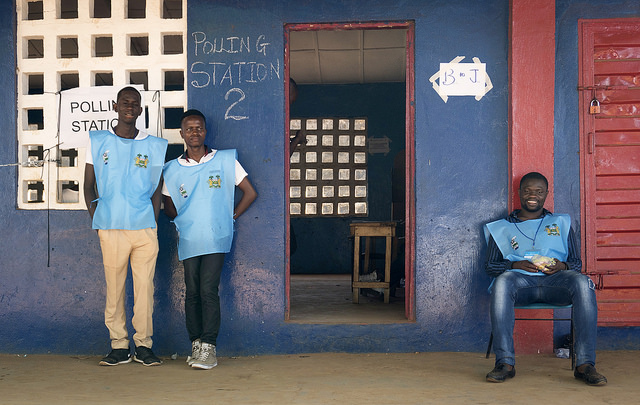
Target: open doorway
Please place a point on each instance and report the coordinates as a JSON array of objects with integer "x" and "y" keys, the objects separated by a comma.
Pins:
[{"x": 350, "y": 161}]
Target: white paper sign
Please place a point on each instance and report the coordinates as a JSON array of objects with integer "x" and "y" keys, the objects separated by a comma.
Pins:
[
  {"x": 462, "y": 79},
  {"x": 85, "y": 109}
]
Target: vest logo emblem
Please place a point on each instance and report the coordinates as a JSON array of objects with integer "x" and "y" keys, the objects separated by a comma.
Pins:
[
  {"x": 105, "y": 157},
  {"x": 552, "y": 230},
  {"x": 514, "y": 243},
  {"x": 215, "y": 182},
  {"x": 142, "y": 161},
  {"x": 182, "y": 191}
]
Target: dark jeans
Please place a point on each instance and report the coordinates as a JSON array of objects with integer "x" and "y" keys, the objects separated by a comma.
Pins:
[
  {"x": 562, "y": 288},
  {"x": 202, "y": 303}
]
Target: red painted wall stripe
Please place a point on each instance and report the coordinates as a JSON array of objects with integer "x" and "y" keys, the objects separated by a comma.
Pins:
[{"x": 531, "y": 82}]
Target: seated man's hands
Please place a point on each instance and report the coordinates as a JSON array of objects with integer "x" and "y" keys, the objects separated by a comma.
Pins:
[
  {"x": 532, "y": 268},
  {"x": 558, "y": 266},
  {"x": 525, "y": 265}
]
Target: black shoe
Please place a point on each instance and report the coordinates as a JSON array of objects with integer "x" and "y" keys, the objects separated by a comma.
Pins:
[
  {"x": 590, "y": 376},
  {"x": 501, "y": 372},
  {"x": 145, "y": 356},
  {"x": 117, "y": 356}
]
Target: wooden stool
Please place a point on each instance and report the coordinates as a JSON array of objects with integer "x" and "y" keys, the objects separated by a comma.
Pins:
[{"x": 369, "y": 230}]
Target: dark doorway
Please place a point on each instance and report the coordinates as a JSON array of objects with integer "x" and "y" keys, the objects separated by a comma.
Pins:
[{"x": 353, "y": 111}]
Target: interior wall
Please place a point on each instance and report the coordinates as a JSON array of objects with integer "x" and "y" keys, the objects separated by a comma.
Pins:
[{"x": 323, "y": 244}]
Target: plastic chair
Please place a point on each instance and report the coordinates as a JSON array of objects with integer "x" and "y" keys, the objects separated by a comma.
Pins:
[{"x": 545, "y": 306}]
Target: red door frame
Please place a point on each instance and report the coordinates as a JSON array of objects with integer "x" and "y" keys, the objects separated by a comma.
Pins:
[{"x": 409, "y": 304}]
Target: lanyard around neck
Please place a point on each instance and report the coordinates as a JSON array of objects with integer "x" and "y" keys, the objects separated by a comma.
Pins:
[{"x": 533, "y": 240}]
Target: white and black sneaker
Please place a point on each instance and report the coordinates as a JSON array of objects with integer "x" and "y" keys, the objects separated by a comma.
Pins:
[
  {"x": 117, "y": 356},
  {"x": 206, "y": 359}
]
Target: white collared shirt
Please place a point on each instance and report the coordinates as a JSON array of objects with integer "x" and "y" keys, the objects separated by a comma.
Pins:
[{"x": 239, "y": 175}]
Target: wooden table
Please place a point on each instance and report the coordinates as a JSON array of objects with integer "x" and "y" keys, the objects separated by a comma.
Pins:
[{"x": 370, "y": 229}]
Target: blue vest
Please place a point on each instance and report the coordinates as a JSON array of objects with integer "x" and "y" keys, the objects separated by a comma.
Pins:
[
  {"x": 127, "y": 174},
  {"x": 204, "y": 199},
  {"x": 516, "y": 239}
]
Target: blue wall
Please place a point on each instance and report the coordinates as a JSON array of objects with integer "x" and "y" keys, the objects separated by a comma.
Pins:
[
  {"x": 56, "y": 304},
  {"x": 461, "y": 167}
]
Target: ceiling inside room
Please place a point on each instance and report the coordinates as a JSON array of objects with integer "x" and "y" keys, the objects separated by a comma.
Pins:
[{"x": 348, "y": 56}]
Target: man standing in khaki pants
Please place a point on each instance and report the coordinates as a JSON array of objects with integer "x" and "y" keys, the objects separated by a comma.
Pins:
[{"x": 126, "y": 166}]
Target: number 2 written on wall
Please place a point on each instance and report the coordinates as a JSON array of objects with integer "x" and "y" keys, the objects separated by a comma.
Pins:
[{"x": 255, "y": 68}]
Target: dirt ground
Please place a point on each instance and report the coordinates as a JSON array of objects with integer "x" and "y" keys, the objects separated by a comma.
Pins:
[{"x": 319, "y": 378}]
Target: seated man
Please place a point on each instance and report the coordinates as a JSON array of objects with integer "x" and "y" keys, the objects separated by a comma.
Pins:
[{"x": 534, "y": 258}]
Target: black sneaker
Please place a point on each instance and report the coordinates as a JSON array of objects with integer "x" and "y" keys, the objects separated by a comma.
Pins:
[
  {"x": 145, "y": 356},
  {"x": 501, "y": 372},
  {"x": 117, "y": 356},
  {"x": 590, "y": 376}
]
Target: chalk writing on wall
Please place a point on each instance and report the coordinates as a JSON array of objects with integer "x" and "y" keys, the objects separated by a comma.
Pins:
[{"x": 233, "y": 62}]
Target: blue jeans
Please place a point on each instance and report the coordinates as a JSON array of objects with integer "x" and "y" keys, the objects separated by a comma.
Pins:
[
  {"x": 202, "y": 302},
  {"x": 562, "y": 288}
]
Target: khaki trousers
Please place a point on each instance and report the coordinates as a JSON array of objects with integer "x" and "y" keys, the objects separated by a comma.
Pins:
[{"x": 119, "y": 247}]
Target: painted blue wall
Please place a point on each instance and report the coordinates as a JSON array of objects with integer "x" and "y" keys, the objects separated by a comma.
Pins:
[
  {"x": 51, "y": 298},
  {"x": 461, "y": 167}
]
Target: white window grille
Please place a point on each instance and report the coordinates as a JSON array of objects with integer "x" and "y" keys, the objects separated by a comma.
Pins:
[
  {"x": 63, "y": 44},
  {"x": 328, "y": 171}
]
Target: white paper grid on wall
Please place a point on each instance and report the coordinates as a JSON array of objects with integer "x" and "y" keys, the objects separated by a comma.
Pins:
[
  {"x": 64, "y": 44},
  {"x": 328, "y": 172}
]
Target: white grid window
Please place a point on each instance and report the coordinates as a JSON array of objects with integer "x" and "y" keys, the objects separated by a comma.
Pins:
[
  {"x": 328, "y": 173},
  {"x": 64, "y": 44}
]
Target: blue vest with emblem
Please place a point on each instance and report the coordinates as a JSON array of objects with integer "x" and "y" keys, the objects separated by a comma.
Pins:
[
  {"x": 516, "y": 239},
  {"x": 204, "y": 199},
  {"x": 127, "y": 174}
]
